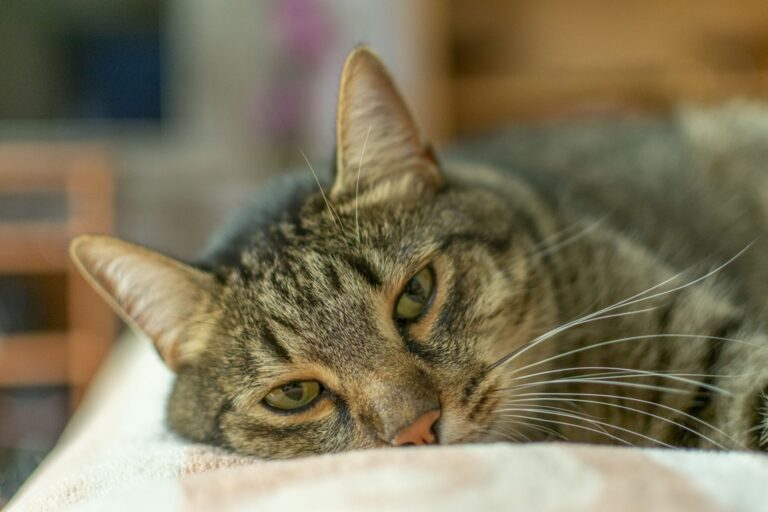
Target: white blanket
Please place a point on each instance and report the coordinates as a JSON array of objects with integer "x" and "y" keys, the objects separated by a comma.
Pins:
[{"x": 117, "y": 455}]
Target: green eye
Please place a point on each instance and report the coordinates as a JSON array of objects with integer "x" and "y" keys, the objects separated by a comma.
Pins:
[
  {"x": 416, "y": 295},
  {"x": 293, "y": 395}
]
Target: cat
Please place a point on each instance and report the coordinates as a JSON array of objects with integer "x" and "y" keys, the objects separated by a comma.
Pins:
[{"x": 600, "y": 283}]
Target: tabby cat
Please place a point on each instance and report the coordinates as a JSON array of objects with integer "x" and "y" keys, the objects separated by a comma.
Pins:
[{"x": 600, "y": 282}]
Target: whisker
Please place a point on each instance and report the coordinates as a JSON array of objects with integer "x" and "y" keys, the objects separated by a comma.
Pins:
[
  {"x": 698, "y": 279},
  {"x": 619, "y": 373},
  {"x": 557, "y": 411},
  {"x": 532, "y": 426},
  {"x": 567, "y": 241},
  {"x": 525, "y": 437},
  {"x": 633, "y": 338},
  {"x": 553, "y": 408},
  {"x": 541, "y": 428},
  {"x": 568, "y": 325},
  {"x": 529, "y": 345},
  {"x": 633, "y": 409},
  {"x": 331, "y": 210},
  {"x": 634, "y": 385},
  {"x": 509, "y": 436},
  {"x": 554, "y": 236},
  {"x": 671, "y": 376},
  {"x": 596, "y": 422},
  {"x": 638, "y": 400},
  {"x": 639, "y": 297},
  {"x": 574, "y": 425},
  {"x": 571, "y": 410}
]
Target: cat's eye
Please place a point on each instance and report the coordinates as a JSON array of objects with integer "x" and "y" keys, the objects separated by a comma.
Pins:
[
  {"x": 416, "y": 296},
  {"x": 293, "y": 395}
]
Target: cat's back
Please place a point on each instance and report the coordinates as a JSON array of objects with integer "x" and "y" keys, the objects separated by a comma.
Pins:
[{"x": 692, "y": 187}]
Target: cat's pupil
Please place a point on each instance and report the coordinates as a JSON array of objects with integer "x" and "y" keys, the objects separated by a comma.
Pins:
[
  {"x": 415, "y": 291},
  {"x": 293, "y": 391}
]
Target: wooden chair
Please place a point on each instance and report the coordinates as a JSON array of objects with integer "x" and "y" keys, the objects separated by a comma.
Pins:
[{"x": 78, "y": 326}]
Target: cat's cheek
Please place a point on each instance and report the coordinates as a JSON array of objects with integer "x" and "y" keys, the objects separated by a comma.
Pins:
[
  {"x": 452, "y": 427},
  {"x": 363, "y": 440}
]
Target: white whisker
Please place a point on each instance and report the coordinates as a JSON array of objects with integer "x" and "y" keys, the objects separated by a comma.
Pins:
[
  {"x": 574, "y": 425},
  {"x": 558, "y": 409},
  {"x": 509, "y": 436},
  {"x": 595, "y": 422},
  {"x": 334, "y": 216},
  {"x": 527, "y": 346},
  {"x": 574, "y": 380},
  {"x": 618, "y": 373},
  {"x": 628, "y": 339},
  {"x": 639, "y": 297},
  {"x": 632, "y": 409},
  {"x": 543, "y": 429},
  {"x": 567, "y": 241},
  {"x": 544, "y": 396}
]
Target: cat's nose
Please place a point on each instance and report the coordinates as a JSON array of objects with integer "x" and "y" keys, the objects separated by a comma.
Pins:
[{"x": 419, "y": 432}]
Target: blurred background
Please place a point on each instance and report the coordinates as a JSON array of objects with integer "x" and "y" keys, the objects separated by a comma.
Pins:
[{"x": 153, "y": 119}]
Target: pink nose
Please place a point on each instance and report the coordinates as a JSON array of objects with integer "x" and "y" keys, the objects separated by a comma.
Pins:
[{"x": 419, "y": 432}]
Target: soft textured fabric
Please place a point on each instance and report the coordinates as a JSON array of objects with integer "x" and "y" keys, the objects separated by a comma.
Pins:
[{"x": 117, "y": 455}]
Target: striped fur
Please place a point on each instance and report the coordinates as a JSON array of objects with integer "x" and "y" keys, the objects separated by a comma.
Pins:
[{"x": 566, "y": 222}]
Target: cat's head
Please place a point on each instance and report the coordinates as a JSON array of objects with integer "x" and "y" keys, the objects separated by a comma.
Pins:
[{"x": 370, "y": 315}]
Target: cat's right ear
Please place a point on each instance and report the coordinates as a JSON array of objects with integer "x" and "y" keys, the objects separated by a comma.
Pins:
[
  {"x": 378, "y": 141},
  {"x": 170, "y": 302}
]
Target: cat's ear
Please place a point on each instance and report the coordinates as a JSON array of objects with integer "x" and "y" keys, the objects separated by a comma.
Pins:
[
  {"x": 170, "y": 302},
  {"x": 377, "y": 137}
]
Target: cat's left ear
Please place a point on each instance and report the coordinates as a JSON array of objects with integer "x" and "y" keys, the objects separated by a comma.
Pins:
[{"x": 378, "y": 140}]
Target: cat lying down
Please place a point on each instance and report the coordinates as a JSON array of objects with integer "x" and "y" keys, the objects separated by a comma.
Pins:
[{"x": 594, "y": 285}]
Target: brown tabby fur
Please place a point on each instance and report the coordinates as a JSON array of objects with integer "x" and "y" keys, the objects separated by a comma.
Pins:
[{"x": 304, "y": 289}]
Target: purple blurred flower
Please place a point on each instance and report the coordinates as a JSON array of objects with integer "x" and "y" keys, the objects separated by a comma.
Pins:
[
  {"x": 304, "y": 27},
  {"x": 280, "y": 111}
]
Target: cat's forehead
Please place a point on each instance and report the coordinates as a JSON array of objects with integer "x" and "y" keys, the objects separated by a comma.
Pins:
[
  {"x": 305, "y": 271},
  {"x": 320, "y": 236},
  {"x": 322, "y": 267},
  {"x": 311, "y": 273},
  {"x": 312, "y": 301}
]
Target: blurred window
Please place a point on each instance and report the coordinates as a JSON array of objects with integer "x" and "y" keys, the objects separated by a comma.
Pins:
[{"x": 81, "y": 59}]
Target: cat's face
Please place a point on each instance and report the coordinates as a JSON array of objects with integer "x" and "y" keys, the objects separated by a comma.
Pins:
[{"x": 353, "y": 316}]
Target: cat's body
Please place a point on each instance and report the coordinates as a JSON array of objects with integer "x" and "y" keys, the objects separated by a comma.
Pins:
[
  {"x": 692, "y": 188},
  {"x": 651, "y": 199},
  {"x": 418, "y": 303}
]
